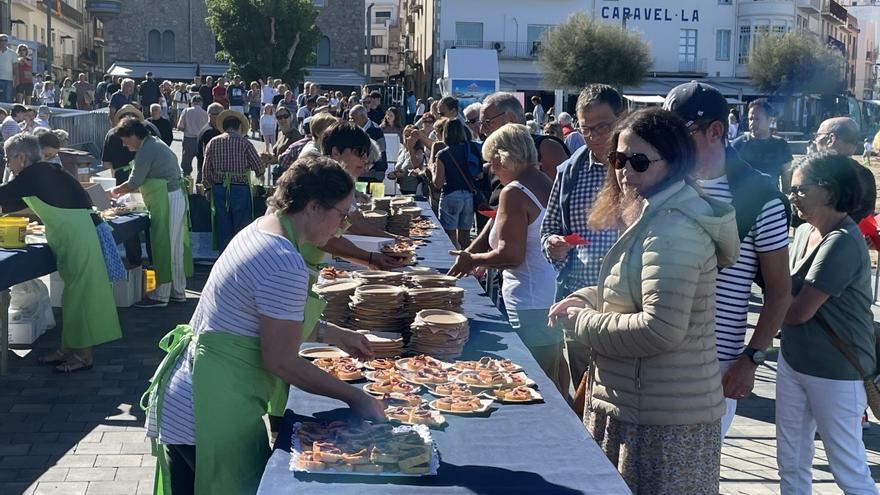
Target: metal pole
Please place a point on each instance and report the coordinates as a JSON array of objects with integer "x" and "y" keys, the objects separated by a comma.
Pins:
[
  {"x": 369, "y": 40},
  {"x": 50, "y": 4},
  {"x": 4, "y": 331}
]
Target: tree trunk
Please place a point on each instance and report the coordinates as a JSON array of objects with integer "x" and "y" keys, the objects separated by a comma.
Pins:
[{"x": 290, "y": 52}]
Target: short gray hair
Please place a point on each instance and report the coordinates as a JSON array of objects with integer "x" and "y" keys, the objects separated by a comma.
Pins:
[
  {"x": 513, "y": 145},
  {"x": 508, "y": 103},
  {"x": 565, "y": 118},
  {"x": 127, "y": 81},
  {"x": 473, "y": 107},
  {"x": 24, "y": 143},
  {"x": 358, "y": 110}
]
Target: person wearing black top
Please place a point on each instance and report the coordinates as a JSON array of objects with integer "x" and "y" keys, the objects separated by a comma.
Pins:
[
  {"x": 764, "y": 152},
  {"x": 113, "y": 86},
  {"x": 206, "y": 135},
  {"x": 205, "y": 91},
  {"x": 162, "y": 124},
  {"x": 149, "y": 91}
]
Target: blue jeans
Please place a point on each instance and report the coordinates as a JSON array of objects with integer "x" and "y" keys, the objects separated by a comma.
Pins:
[
  {"x": 6, "y": 93},
  {"x": 457, "y": 210},
  {"x": 230, "y": 219}
]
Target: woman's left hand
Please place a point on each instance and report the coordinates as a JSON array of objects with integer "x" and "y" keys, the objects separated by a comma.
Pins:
[
  {"x": 464, "y": 264},
  {"x": 349, "y": 341}
]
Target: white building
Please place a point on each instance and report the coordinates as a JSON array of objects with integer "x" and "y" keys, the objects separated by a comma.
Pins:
[{"x": 384, "y": 39}]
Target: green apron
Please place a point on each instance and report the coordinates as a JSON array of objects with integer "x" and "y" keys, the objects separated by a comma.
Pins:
[
  {"x": 231, "y": 388},
  {"x": 227, "y": 181},
  {"x": 89, "y": 315},
  {"x": 315, "y": 305},
  {"x": 155, "y": 193}
]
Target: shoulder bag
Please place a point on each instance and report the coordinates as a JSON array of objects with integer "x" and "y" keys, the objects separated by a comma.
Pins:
[
  {"x": 481, "y": 202},
  {"x": 871, "y": 388}
]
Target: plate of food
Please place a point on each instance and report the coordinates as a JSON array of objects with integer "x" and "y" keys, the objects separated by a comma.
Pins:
[
  {"x": 425, "y": 376},
  {"x": 520, "y": 394},
  {"x": 398, "y": 399},
  {"x": 451, "y": 389},
  {"x": 420, "y": 362},
  {"x": 331, "y": 273},
  {"x": 460, "y": 405},
  {"x": 414, "y": 415},
  {"x": 487, "y": 363},
  {"x": 392, "y": 385},
  {"x": 363, "y": 449},
  {"x": 380, "y": 364},
  {"x": 382, "y": 375},
  {"x": 319, "y": 352},
  {"x": 483, "y": 379}
]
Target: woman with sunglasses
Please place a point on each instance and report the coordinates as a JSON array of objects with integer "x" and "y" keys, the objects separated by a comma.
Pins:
[
  {"x": 514, "y": 246},
  {"x": 818, "y": 388},
  {"x": 207, "y": 399},
  {"x": 654, "y": 400}
]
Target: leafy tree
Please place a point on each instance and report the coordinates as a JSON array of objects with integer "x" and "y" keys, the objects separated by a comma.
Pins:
[
  {"x": 582, "y": 51},
  {"x": 265, "y": 37},
  {"x": 795, "y": 63}
]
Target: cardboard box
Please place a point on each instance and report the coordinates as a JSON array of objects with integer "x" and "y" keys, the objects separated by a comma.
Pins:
[
  {"x": 99, "y": 196},
  {"x": 129, "y": 290},
  {"x": 24, "y": 331}
]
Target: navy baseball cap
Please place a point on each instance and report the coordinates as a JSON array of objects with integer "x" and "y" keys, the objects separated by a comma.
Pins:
[{"x": 695, "y": 101}]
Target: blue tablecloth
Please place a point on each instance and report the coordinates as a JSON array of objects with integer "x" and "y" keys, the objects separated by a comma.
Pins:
[
  {"x": 530, "y": 448},
  {"x": 20, "y": 265}
]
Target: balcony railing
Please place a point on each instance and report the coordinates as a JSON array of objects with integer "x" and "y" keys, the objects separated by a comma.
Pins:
[
  {"x": 834, "y": 11},
  {"x": 810, "y": 6},
  {"x": 507, "y": 50},
  {"x": 692, "y": 66}
]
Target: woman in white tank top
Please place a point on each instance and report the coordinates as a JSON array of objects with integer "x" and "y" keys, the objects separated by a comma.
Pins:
[{"x": 514, "y": 246}]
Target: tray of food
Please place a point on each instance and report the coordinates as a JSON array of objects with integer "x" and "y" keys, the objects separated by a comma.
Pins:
[
  {"x": 425, "y": 376},
  {"x": 380, "y": 364},
  {"x": 487, "y": 363},
  {"x": 392, "y": 385},
  {"x": 382, "y": 375},
  {"x": 415, "y": 415},
  {"x": 398, "y": 399},
  {"x": 492, "y": 379},
  {"x": 363, "y": 449},
  {"x": 451, "y": 389},
  {"x": 461, "y": 404},
  {"x": 345, "y": 368},
  {"x": 420, "y": 362},
  {"x": 514, "y": 395}
]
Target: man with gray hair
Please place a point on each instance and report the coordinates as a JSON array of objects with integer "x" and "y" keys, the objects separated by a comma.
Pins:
[
  {"x": 472, "y": 120},
  {"x": 206, "y": 134},
  {"x": 841, "y": 134},
  {"x": 192, "y": 121},
  {"x": 121, "y": 98},
  {"x": 360, "y": 117}
]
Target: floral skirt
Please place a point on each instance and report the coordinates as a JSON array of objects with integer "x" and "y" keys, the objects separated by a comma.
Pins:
[{"x": 660, "y": 460}]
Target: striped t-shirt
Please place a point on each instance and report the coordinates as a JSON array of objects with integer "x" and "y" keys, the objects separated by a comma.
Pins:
[
  {"x": 734, "y": 285},
  {"x": 258, "y": 274}
]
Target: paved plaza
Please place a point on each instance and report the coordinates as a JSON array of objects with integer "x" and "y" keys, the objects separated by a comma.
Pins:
[{"x": 83, "y": 433}]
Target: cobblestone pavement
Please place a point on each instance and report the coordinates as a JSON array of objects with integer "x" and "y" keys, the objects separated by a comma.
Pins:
[{"x": 83, "y": 433}]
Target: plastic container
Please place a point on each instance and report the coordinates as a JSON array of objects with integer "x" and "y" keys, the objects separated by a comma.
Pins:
[
  {"x": 24, "y": 331},
  {"x": 360, "y": 187},
  {"x": 149, "y": 280},
  {"x": 377, "y": 189},
  {"x": 12, "y": 232}
]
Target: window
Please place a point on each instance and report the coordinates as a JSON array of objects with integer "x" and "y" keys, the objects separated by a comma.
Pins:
[
  {"x": 323, "y": 51},
  {"x": 35, "y": 32},
  {"x": 379, "y": 59},
  {"x": 687, "y": 50},
  {"x": 779, "y": 29},
  {"x": 534, "y": 33},
  {"x": 376, "y": 41},
  {"x": 154, "y": 45},
  {"x": 745, "y": 42},
  {"x": 724, "y": 2},
  {"x": 722, "y": 44},
  {"x": 469, "y": 34},
  {"x": 168, "y": 46},
  {"x": 43, "y": 35},
  {"x": 382, "y": 16}
]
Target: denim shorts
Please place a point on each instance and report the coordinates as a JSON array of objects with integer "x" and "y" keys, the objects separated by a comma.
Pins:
[{"x": 457, "y": 210}]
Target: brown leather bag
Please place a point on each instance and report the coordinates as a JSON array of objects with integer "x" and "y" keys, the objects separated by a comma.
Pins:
[{"x": 580, "y": 397}]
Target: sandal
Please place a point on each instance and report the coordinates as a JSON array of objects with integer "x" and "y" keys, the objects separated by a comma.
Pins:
[
  {"x": 72, "y": 365},
  {"x": 56, "y": 357}
]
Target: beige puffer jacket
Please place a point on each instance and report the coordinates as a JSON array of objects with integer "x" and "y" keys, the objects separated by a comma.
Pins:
[{"x": 651, "y": 321}]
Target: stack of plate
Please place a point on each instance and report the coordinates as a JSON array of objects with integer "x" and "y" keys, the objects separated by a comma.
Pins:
[
  {"x": 439, "y": 333},
  {"x": 401, "y": 201},
  {"x": 448, "y": 298},
  {"x": 337, "y": 294},
  {"x": 386, "y": 344},
  {"x": 376, "y": 218},
  {"x": 425, "y": 281},
  {"x": 378, "y": 277},
  {"x": 413, "y": 211},
  {"x": 378, "y": 308},
  {"x": 383, "y": 204},
  {"x": 398, "y": 223}
]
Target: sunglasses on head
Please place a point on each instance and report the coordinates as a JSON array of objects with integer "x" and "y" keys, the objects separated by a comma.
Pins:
[{"x": 638, "y": 161}]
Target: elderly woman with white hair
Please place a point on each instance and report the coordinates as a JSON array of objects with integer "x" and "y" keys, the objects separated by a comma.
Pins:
[
  {"x": 572, "y": 137},
  {"x": 75, "y": 235},
  {"x": 514, "y": 246}
]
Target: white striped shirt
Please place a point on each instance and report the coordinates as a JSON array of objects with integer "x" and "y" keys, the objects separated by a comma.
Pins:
[
  {"x": 734, "y": 285},
  {"x": 259, "y": 274}
]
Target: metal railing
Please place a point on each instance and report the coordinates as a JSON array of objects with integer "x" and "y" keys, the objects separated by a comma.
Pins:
[
  {"x": 507, "y": 50},
  {"x": 87, "y": 129}
]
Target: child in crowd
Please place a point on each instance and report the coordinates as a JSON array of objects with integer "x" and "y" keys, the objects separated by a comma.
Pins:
[{"x": 268, "y": 126}]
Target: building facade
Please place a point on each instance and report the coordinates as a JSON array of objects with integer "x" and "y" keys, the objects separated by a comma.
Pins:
[
  {"x": 385, "y": 37},
  {"x": 340, "y": 54}
]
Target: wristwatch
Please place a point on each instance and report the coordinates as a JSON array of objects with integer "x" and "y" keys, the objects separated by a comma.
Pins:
[{"x": 757, "y": 356}]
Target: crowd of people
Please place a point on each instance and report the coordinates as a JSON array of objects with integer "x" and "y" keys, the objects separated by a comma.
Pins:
[{"x": 627, "y": 241}]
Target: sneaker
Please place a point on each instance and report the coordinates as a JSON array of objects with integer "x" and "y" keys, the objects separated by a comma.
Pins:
[
  {"x": 150, "y": 303},
  {"x": 179, "y": 300}
]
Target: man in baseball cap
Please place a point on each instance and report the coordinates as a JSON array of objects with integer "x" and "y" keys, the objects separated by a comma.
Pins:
[{"x": 762, "y": 217}]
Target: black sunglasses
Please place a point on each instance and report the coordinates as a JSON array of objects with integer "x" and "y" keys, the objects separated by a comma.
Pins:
[
  {"x": 639, "y": 161},
  {"x": 801, "y": 190},
  {"x": 281, "y": 116}
]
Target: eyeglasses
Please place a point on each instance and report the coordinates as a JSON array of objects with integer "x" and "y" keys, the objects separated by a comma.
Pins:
[
  {"x": 488, "y": 120},
  {"x": 282, "y": 116},
  {"x": 597, "y": 130},
  {"x": 801, "y": 190},
  {"x": 639, "y": 161}
]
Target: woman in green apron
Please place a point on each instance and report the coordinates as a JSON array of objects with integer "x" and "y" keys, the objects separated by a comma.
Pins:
[
  {"x": 88, "y": 310},
  {"x": 207, "y": 398},
  {"x": 156, "y": 175}
]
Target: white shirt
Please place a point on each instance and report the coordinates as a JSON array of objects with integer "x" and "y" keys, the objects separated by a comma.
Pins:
[
  {"x": 7, "y": 58},
  {"x": 268, "y": 93}
]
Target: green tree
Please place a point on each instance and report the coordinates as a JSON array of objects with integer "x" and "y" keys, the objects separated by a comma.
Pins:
[
  {"x": 582, "y": 51},
  {"x": 795, "y": 63},
  {"x": 265, "y": 37}
]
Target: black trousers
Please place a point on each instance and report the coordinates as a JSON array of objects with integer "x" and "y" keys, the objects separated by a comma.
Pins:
[{"x": 182, "y": 468}]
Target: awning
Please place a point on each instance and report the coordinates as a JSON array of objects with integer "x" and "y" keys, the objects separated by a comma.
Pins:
[
  {"x": 213, "y": 69},
  {"x": 512, "y": 81},
  {"x": 327, "y": 77},
  {"x": 648, "y": 100},
  {"x": 160, "y": 70}
]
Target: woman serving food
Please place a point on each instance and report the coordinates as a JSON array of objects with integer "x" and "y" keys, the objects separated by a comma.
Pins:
[{"x": 208, "y": 397}]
